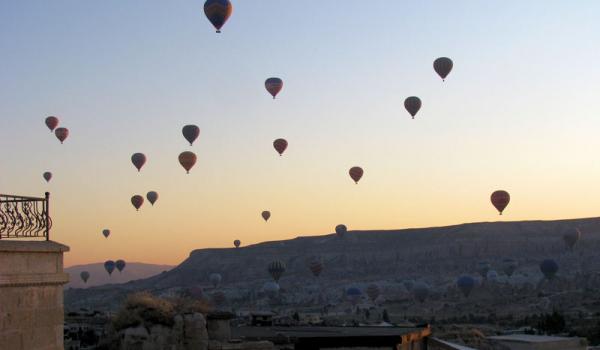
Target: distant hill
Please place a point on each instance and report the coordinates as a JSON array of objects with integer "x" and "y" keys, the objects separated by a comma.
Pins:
[
  {"x": 99, "y": 276},
  {"x": 436, "y": 256}
]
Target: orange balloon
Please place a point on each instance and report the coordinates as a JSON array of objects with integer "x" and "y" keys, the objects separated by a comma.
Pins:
[{"x": 187, "y": 160}]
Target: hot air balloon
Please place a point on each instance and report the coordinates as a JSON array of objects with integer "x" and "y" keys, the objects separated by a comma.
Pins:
[
  {"x": 509, "y": 266},
  {"x": 218, "y": 12},
  {"x": 137, "y": 201},
  {"x": 61, "y": 134},
  {"x": 373, "y": 292},
  {"x": 109, "y": 266},
  {"x": 466, "y": 284},
  {"x": 152, "y": 197},
  {"x": 271, "y": 289},
  {"x": 84, "y": 276},
  {"x": 196, "y": 292},
  {"x": 354, "y": 295},
  {"x": 47, "y": 176},
  {"x": 280, "y": 145},
  {"x": 571, "y": 238},
  {"x": 274, "y": 86},
  {"x": 341, "y": 230},
  {"x": 356, "y": 173},
  {"x": 120, "y": 264},
  {"x": 421, "y": 291},
  {"x": 443, "y": 66},
  {"x": 492, "y": 276},
  {"x": 500, "y": 200},
  {"x": 412, "y": 105},
  {"x": 51, "y": 123},
  {"x": 106, "y": 232},
  {"x": 276, "y": 269},
  {"x": 315, "y": 266},
  {"x": 266, "y": 215},
  {"x": 549, "y": 268},
  {"x": 191, "y": 133},
  {"x": 218, "y": 297},
  {"x": 483, "y": 267},
  {"x": 237, "y": 243},
  {"x": 138, "y": 160},
  {"x": 215, "y": 279},
  {"x": 187, "y": 160}
]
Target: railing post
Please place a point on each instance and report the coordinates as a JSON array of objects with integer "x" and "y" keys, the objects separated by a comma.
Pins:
[{"x": 47, "y": 204}]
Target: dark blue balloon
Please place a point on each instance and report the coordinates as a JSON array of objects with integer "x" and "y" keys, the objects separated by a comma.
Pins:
[
  {"x": 465, "y": 284},
  {"x": 549, "y": 268}
]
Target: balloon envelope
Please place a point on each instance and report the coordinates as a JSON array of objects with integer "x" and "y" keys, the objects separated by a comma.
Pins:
[
  {"x": 191, "y": 133},
  {"x": 137, "y": 201},
  {"x": 276, "y": 269},
  {"x": 549, "y": 268},
  {"x": 274, "y": 86},
  {"x": 106, "y": 232},
  {"x": 109, "y": 266},
  {"x": 47, "y": 176},
  {"x": 443, "y": 66},
  {"x": 265, "y": 215},
  {"x": 571, "y": 238},
  {"x": 509, "y": 266},
  {"x": 152, "y": 197},
  {"x": 187, "y": 160},
  {"x": 61, "y": 134},
  {"x": 51, "y": 123},
  {"x": 420, "y": 291},
  {"x": 373, "y": 291},
  {"x": 218, "y": 12},
  {"x": 412, "y": 105},
  {"x": 138, "y": 160},
  {"x": 341, "y": 230},
  {"x": 356, "y": 173},
  {"x": 120, "y": 264},
  {"x": 215, "y": 279},
  {"x": 465, "y": 284},
  {"x": 84, "y": 276},
  {"x": 315, "y": 266},
  {"x": 354, "y": 294},
  {"x": 500, "y": 200},
  {"x": 237, "y": 243},
  {"x": 271, "y": 288},
  {"x": 280, "y": 145}
]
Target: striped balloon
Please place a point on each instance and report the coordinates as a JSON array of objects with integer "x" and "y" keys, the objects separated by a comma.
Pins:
[{"x": 276, "y": 269}]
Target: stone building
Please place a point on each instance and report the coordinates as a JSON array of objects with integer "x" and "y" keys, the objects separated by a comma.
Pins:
[{"x": 31, "y": 294}]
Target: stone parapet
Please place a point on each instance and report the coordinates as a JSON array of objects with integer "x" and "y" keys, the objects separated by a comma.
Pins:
[{"x": 31, "y": 295}]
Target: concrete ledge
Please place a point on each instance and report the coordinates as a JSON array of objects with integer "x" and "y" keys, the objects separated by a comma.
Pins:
[
  {"x": 33, "y": 279},
  {"x": 21, "y": 245}
]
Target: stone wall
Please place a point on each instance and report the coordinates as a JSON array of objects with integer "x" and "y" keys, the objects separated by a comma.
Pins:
[{"x": 31, "y": 295}]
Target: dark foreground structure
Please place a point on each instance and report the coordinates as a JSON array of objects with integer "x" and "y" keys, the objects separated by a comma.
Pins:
[{"x": 314, "y": 338}]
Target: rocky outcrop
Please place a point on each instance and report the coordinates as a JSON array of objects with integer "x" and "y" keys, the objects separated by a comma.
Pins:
[{"x": 188, "y": 333}]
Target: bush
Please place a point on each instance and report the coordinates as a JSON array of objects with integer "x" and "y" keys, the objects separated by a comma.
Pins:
[{"x": 145, "y": 309}]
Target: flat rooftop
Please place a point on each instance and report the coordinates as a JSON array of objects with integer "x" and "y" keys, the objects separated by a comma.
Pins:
[
  {"x": 317, "y": 337},
  {"x": 529, "y": 338}
]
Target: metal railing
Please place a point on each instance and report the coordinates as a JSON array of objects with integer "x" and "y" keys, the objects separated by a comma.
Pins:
[{"x": 25, "y": 217}]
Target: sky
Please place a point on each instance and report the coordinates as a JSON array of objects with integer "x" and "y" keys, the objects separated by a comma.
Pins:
[{"x": 519, "y": 112}]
